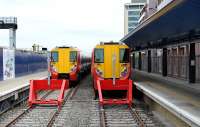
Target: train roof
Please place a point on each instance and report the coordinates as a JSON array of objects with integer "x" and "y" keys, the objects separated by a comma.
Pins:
[
  {"x": 111, "y": 43},
  {"x": 65, "y": 47}
]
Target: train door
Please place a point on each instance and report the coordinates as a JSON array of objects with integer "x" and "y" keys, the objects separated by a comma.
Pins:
[
  {"x": 111, "y": 63},
  {"x": 64, "y": 56}
]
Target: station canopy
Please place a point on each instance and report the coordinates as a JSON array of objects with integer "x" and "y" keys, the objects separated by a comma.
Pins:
[{"x": 178, "y": 20}]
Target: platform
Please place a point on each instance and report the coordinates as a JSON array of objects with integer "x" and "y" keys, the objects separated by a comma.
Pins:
[
  {"x": 179, "y": 100},
  {"x": 193, "y": 88},
  {"x": 11, "y": 87}
]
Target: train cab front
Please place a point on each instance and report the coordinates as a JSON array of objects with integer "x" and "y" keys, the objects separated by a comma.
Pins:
[
  {"x": 111, "y": 72},
  {"x": 65, "y": 64}
]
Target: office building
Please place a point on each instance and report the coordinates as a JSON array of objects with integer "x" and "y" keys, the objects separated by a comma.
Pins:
[{"x": 132, "y": 14}]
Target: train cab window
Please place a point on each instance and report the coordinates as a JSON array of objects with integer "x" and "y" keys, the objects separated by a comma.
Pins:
[
  {"x": 98, "y": 55},
  {"x": 54, "y": 56},
  {"x": 73, "y": 56},
  {"x": 124, "y": 55}
]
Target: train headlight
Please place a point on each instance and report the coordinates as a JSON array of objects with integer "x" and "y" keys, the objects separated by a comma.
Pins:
[
  {"x": 99, "y": 72},
  {"x": 124, "y": 72},
  {"x": 73, "y": 68},
  {"x": 53, "y": 68}
]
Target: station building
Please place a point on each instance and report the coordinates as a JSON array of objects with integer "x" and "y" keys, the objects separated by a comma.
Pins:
[{"x": 166, "y": 40}]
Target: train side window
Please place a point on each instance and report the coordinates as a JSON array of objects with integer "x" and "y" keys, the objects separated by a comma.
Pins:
[
  {"x": 73, "y": 56},
  {"x": 124, "y": 55},
  {"x": 98, "y": 55},
  {"x": 54, "y": 56}
]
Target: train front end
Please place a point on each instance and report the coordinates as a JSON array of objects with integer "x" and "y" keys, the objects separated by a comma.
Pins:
[
  {"x": 111, "y": 71},
  {"x": 65, "y": 63}
]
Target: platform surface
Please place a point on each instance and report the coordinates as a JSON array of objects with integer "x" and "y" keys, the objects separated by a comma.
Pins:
[
  {"x": 8, "y": 86},
  {"x": 183, "y": 103}
]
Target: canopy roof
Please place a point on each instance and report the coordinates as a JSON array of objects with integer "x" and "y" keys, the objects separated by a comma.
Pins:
[{"x": 180, "y": 19}]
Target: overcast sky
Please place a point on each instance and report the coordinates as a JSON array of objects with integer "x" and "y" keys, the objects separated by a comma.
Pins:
[{"x": 80, "y": 23}]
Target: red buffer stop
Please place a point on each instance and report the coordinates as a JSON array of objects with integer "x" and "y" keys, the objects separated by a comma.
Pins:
[
  {"x": 40, "y": 85},
  {"x": 119, "y": 85}
]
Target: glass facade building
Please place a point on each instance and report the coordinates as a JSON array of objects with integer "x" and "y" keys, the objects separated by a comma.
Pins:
[{"x": 132, "y": 14}]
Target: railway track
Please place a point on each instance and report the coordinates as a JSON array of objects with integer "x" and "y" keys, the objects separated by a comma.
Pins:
[
  {"x": 82, "y": 110},
  {"x": 125, "y": 116},
  {"x": 36, "y": 116},
  {"x": 79, "y": 109},
  {"x": 12, "y": 113}
]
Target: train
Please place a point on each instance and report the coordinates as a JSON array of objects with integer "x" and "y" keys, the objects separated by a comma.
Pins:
[
  {"x": 66, "y": 66},
  {"x": 68, "y": 63},
  {"x": 111, "y": 70}
]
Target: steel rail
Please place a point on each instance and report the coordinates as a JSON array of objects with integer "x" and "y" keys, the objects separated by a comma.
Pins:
[
  {"x": 102, "y": 117},
  {"x": 51, "y": 120},
  {"x": 25, "y": 111},
  {"x": 70, "y": 95},
  {"x": 137, "y": 117},
  {"x": 74, "y": 92}
]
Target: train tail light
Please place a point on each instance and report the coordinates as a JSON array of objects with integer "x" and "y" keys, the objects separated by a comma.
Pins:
[{"x": 53, "y": 69}]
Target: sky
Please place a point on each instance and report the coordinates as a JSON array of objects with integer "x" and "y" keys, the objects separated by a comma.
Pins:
[{"x": 51, "y": 23}]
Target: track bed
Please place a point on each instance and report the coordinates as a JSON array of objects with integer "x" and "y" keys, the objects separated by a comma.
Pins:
[{"x": 80, "y": 109}]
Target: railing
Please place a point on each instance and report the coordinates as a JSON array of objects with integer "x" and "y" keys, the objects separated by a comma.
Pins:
[
  {"x": 8, "y": 20},
  {"x": 198, "y": 68},
  {"x": 178, "y": 66}
]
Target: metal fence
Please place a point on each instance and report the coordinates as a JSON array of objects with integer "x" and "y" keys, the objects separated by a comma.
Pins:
[
  {"x": 178, "y": 66},
  {"x": 156, "y": 64},
  {"x": 198, "y": 68}
]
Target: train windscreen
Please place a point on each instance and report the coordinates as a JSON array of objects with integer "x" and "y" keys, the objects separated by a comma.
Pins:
[
  {"x": 54, "y": 56},
  {"x": 73, "y": 56},
  {"x": 124, "y": 55},
  {"x": 98, "y": 55}
]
